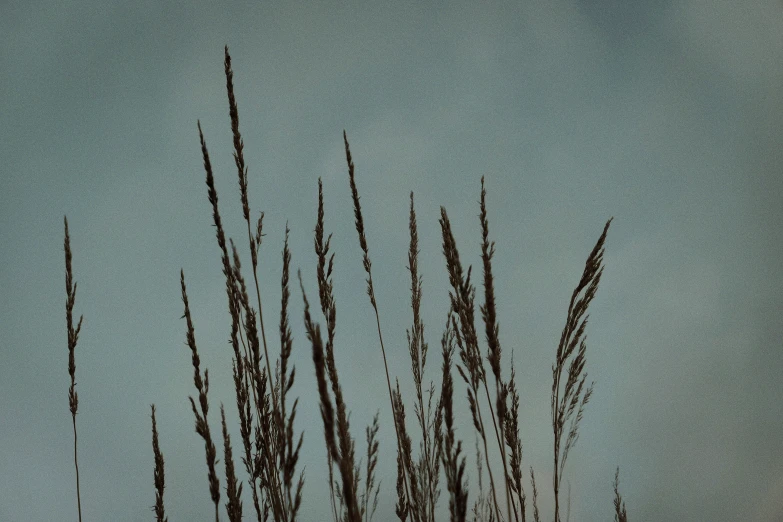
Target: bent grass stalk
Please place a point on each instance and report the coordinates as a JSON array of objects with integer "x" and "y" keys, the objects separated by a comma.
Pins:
[{"x": 569, "y": 398}]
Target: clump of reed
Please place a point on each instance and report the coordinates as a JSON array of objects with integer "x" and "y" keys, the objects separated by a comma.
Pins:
[{"x": 270, "y": 444}]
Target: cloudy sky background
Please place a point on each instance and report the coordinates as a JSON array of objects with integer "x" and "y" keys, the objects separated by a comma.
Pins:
[{"x": 666, "y": 115}]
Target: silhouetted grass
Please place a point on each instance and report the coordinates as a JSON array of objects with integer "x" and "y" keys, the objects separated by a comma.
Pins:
[{"x": 270, "y": 447}]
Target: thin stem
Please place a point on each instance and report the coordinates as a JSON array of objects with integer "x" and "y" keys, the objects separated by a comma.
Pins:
[
  {"x": 500, "y": 445},
  {"x": 76, "y": 465},
  {"x": 486, "y": 456}
]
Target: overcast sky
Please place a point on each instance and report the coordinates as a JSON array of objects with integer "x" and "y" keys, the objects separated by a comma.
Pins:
[{"x": 666, "y": 115}]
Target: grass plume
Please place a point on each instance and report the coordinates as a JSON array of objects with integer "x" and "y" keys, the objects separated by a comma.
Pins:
[
  {"x": 569, "y": 393},
  {"x": 620, "y": 513},
  {"x": 159, "y": 476},
  {"x": 359, "y": 222},
  {"x": 202, "y": 386}
]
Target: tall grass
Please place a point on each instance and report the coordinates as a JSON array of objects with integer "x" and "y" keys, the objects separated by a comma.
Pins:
[
  {"x": 263, "y": 381},
  {"x": 73, "y": 338}
]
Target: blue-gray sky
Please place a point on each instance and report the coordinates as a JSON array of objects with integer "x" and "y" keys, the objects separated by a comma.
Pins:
[{"x": 666, "y": 115}]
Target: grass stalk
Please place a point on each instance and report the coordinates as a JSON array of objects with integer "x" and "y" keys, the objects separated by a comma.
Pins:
[
  {"x": 428, "y": 466},
  {"x": 254, "y": 242},
  {"x": 202, "y": 386},
  {"x": 491, "y": 328},
  {"x": 233, "y": 487},
  {"x": 620, "y": 513},
  {"x": 536, "y": 516},
  {"x": 359, "y": 222},
  {"x": 340, "y": 446},
  {"x": 329, "y": 310},
  {"x": 448, "y": 447},
  {"x": 73, "y": 338},
  {"x": 472, "y": 370},
  {"x": 514, "y": 445},
  {"x": 570, "y": 397}
]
